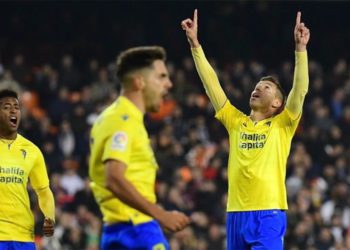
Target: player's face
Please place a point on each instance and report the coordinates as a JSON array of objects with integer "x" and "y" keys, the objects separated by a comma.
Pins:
[
  {"x": 10, "y": 115},
  {"x": 157, "y": 84},
  {"x": 263, "y": 96}
]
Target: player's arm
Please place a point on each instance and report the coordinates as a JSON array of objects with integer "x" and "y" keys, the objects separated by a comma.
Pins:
[
  {"x": 40, "y": 182},
  {"x": 127, "y": 193},
  {"x": 206, "y": 72},
  {"x": 47, "y": 207},
  {"x": 300, "y": 87}
]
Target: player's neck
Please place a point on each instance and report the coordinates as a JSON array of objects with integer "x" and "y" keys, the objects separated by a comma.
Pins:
[
  {"x": 257, "y": 115},
  {"x": 136, "y": 98},
  {"x": 8, "y": 136}
]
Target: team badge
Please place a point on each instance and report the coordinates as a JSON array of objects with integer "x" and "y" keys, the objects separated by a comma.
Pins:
[
  {"x": 24, "y": 153},
  {"x": 119, "y": 141}
]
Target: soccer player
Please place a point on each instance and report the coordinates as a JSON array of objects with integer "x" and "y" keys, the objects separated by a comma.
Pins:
[
  {"x": 259, "y": 146},
  {"x": 122, "y": 165},
  {"x": 20, "y": 161}
]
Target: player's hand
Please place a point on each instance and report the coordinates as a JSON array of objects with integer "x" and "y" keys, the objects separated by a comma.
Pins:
[
  {"x": 48, "y": 227},
  {"x": 173, "y": 221},
  {"x": 191, "y": 27},
  {"x": 301, "y": 34}
]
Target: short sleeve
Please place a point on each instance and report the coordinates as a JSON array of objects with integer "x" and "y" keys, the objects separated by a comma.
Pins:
[{"x": 118, "y": 145}]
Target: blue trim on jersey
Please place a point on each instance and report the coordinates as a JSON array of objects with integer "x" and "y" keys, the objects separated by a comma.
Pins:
[
  {"x": 16, "y": 245},
  {"x": 256, "y": 230},
  {"x": 122, "y": 236}
]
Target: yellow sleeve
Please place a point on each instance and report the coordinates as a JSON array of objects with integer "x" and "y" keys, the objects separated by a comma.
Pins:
[
  {"x": 46, "y": 202},
  {"x": 38, "y": 175},
  {"x": 300, "y": 87},
  {"x": 209, "y": 79},
  {"x": 288, "y": 122},
  {"x": 39, "y": 180},
  {"x": 118, "y": 145},
  {"x": 229, "y": 116}
]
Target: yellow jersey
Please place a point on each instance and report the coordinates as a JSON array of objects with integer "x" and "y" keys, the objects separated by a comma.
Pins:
[
  {"x": 20, "y": 160},
  {"x": 258, "y": 150},
  {"x": 257, "y": 159},
  {"x": 119, "y": 134}
]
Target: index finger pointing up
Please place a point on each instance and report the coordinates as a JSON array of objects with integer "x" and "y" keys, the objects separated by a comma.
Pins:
[
  {"x": 195, "y": 16},
  {"x": 298, "y": 18}
]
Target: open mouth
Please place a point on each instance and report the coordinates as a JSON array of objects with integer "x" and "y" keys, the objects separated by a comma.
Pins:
[
  {"x": 255, "y": 95},
  {"x": 13, "y": 121}
]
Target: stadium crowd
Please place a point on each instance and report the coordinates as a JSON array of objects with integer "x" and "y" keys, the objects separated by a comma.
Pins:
[{"x": 61, "y": 101}]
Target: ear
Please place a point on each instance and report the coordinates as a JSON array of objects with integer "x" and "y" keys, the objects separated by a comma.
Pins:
[
  {"x": 276, "y": 103},
  {"x": 138, "y": 82}
]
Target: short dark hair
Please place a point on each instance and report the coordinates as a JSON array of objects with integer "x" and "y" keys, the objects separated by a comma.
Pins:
[
  {"x": 138, "y": 58},
  {"x": 278, "y": 85},
  {"x": 8, "y": 93}
]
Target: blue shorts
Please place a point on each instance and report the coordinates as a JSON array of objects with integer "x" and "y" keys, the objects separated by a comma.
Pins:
[
  {"x": 16, "y": 245},
  {"x": 122, "y": 236},
  {"x": 256, "y": 230}
]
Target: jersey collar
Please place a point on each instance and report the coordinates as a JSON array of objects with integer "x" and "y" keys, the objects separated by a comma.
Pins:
[{"x": 134, "y": 111}]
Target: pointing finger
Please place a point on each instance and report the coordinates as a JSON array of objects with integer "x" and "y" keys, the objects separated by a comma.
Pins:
[
  {"x": 195, "y": 16},
  {"x": 298, "y": 18}
]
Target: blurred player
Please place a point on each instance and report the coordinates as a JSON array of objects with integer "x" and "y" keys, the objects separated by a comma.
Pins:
[
  {"x": 259, "y": 146},
  {"x": 122, "y": 163},
  {"x": 20, "y": 161}
]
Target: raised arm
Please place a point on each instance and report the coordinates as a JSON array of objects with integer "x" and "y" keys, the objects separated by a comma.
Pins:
[
  {"x": 206, "y": 72},
  {"x": 300, "y": 87}
]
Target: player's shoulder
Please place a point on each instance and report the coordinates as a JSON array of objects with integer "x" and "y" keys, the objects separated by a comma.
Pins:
[
  {"x": 285, "y": 115},
  {"x": 24, "y": 142},
  {"x": 231, "y": 108},
  {"x": 285, "y": 119},
  {"x": 115, "y": 117}
]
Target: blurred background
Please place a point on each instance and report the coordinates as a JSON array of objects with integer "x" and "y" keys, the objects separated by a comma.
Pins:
[{"x": 60, "y": 56}]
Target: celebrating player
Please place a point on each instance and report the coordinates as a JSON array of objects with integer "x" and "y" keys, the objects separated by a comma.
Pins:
[
  {"x": 122, "y": 163},
  {"x": 20, "y": 161},
  {"x": 259, "y": 145}
]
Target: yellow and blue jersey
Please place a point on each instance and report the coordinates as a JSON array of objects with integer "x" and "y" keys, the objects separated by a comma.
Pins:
[
  {"x": 258, "y": 150},
  {"x": 20, "y": 160},
  {"x": 257, "y": 159},
  {"x": 119, "y": 134}
]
